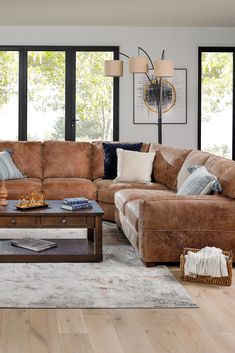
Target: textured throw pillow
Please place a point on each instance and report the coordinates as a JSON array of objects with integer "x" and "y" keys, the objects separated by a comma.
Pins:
[
  {"x": 9, "y": 151},
  {"x": 134, "y": 167},
  {"x": 8, "y": 169},
  {"x": 199, "y": 182},
  {"x": 110, "y": 156}
]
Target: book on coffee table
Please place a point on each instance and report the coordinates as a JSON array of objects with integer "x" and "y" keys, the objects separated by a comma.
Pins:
[
  {"x": 33, "y": 244},
  {"x": 75, "y": 207},
  {"x": 75, "y": 200}
]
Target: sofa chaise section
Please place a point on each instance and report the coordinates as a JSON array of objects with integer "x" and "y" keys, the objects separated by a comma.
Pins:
[{"x": 159, "y": 224}]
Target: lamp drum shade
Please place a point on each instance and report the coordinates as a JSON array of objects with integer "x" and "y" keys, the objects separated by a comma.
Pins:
[
  {"x": 138, "y": 64},
  {"x": 164, "y": 68},
  {"x": 113, "y": 68}
]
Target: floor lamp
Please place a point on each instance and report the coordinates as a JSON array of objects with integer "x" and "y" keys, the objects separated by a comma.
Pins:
[{"x": 139, "y": 65}]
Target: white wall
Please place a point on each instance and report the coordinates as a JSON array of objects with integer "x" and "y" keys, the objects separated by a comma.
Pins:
[{"x": 180, "y": 45}]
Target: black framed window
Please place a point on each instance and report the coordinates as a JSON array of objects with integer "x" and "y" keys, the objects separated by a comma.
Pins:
[
  {"x": 216, "y": 100},
  {"x": 58, "y": 92}
]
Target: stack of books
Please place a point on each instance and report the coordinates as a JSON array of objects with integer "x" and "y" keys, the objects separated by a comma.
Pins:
[{"x": 76, "y": 203}]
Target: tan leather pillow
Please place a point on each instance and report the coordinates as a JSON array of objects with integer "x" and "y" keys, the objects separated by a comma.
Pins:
[
  {"x": 195, "y": 157},
  {"x": 224, "y": 169},
  {"x": 167, "y": 164}
]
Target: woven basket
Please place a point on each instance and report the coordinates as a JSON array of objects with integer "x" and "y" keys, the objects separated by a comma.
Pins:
[{"x": 221, "y": 281}]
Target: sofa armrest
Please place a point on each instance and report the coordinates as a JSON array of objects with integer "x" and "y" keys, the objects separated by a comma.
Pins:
[{"x": 183, "y": 213}]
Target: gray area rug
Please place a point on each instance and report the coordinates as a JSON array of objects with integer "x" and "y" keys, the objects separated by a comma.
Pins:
[{"x": 120, "y": 281}]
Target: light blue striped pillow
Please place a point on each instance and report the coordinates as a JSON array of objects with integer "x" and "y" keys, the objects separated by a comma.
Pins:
[
  {"x": 200, "y": 182},
  {"x": 8, "y": 169}
]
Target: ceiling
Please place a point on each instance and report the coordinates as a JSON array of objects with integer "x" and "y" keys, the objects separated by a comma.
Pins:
[{"x": 117, "y": 13}]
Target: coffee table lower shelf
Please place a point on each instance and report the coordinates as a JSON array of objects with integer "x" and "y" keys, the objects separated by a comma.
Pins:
[{"x": 67, "y": 250}]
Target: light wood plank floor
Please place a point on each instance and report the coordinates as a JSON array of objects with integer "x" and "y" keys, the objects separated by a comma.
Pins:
[{"x": 209, "y": 329}]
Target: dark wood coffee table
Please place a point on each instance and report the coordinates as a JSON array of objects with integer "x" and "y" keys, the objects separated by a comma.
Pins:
[{"x": 67, "y": 250}]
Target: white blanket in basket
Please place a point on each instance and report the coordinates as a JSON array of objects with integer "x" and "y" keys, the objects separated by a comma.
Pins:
[{"x": 209, "y": 261}]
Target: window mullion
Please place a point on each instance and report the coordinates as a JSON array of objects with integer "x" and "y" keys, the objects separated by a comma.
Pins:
[
  {"x": 70, "y": 94},
  {"x": 116, "y": 101},
  {"x": 23, "y": 95}
]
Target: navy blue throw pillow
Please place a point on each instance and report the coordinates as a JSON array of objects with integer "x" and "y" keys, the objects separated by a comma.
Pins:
[{"x": 110, "y": 156}]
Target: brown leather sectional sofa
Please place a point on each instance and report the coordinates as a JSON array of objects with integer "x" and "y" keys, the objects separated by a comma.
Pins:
[{"x": 157, "y": 222}]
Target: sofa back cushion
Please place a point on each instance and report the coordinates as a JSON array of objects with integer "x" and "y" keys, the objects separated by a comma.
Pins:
[
  {"x": 195, "y": 157},
  {"x": 224, "y": 169},
  {"x": 66, "y": 159},
  {"x": 167, "y": 164},
  {"x": 98, "y": 158},
  {"x": 26, "y": 155}
]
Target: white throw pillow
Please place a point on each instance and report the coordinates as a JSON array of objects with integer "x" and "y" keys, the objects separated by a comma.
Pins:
[{"x": 134, "y": 167}]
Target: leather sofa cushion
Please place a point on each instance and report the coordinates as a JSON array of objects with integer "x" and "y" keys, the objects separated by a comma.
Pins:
[
  {"x": 98, "y": 157},
  {"x": 66, "y": 159},
  {"x": 224, "y": 169},
  {"x": 128, "y": 229},
  {"x": 27, "y": 156},
  {"x": 20, "y": 187},
  {"x": 132, "y": 211},
  {"x": 167, "y": 164},
  {"x": 188, "y": 213},
  {"x": 195, "y": 157},
  {"x": 107, "y": 188},
  {"x": 123, "y": 197},
  {"x": 109, "y": 211},
  {"x": 59, "y": 188}
]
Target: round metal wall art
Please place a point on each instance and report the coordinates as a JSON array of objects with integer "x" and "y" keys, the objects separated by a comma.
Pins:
[{"x": 168, "y": 96}]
